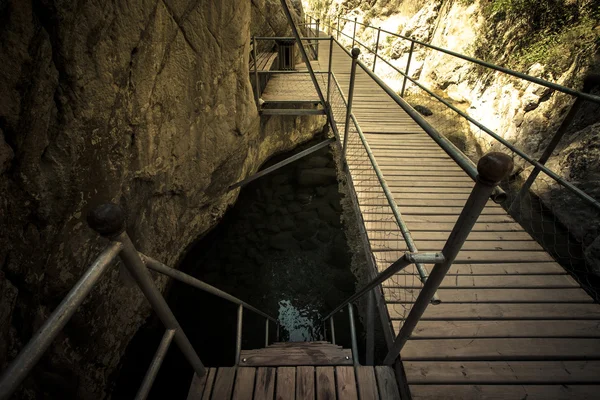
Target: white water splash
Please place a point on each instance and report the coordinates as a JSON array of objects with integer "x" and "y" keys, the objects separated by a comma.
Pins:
[{"x": 299, "y": 322}]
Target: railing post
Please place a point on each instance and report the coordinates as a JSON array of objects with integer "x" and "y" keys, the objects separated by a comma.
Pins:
[
  {"x": 159, "y": 356},
  {"x": 376, "y": 48},
  {"x": 355, "y": 53},
  {"x": 238, "y": 334},
  {"x": 412, "y": 47},
  {"x": 332, "y": 329},
  {"x": 354, "y": 32},
  {"x": 370, "y": 357},
  {"x": 266, "y": 332},
  {"x": 256, "y": 82},
  {"x": 109, "y": 221},
  {"x": 562, "y": 129},
  {"x": 492, "y": 168},
  {"x": 277, "y": 332},
  {"x": 353, "y": 334},
  {"x": 329, "y": 70},
  {"x": 317, "y": 35}
]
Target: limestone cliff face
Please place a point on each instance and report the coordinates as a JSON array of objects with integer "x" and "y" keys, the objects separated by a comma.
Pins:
[{"x": 144, "y": 103}]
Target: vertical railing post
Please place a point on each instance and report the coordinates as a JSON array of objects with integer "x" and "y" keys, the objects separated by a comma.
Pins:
[
  {"x": 376, "y": 48},
  {"x": 492, "y": 168},
  {"x": 109, "y": 221},
  {"x": 317, "y": 36},
  {"x": 332, "y": 329},
  {"x": 277, "y": 332},
  {"x": 370, "y": 356},
  {"x": 329, "y": 71},
  {"x": 238, "y": 334},
  {"x": 355, "y": 53},
  {"x": 353, "y": 334},
  {"x": 354, "y": 32},
  {"x": 266, "y": 332},
  {"x": 562, "y": 129},
  {"x": 412, "y": 47},
  {"x": 256, "y": 82}
]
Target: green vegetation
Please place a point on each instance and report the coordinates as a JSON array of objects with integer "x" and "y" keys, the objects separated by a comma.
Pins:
[{"x": 550, "y": 32}]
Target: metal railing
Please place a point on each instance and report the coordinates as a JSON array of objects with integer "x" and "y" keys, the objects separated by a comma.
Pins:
[
  {"x": 109, "y": 221},
  {"x": 537, "y": 200}
]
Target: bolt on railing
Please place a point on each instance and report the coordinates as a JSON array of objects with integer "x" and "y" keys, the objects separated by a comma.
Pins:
[{"x": 109, "y": 221}]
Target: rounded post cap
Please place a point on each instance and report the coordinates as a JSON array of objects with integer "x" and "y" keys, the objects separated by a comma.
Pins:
[
  {"x": 355, "y": 52},
  {"x": 107, "y": 219},
  {"x": 494, "y": 166}
]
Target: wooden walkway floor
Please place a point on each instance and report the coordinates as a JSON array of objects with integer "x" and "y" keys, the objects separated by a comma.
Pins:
[
  {"x": 512, "y": 323},
  {"x": 299, "y": 383}
]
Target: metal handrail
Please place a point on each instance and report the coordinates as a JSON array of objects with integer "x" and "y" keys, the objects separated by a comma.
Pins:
[
  {"x": 542, "y": 82},
  {"x": 198, "y": 284},
  {"x": 464, "y": 163},
  {"x": 108, "y": 220}
]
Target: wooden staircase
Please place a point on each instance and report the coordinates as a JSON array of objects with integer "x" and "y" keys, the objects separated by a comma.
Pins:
[{"x": 296, "y": 353}]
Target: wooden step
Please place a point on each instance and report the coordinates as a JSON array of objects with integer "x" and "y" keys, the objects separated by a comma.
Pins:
[{"x": 296, "y": 353}]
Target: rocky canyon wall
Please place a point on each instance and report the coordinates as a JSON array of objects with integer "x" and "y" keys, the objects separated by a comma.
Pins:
[{"x": 144, "y": 103}]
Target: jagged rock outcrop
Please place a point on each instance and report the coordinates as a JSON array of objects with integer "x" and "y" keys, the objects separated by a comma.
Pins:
[{"x": 144, "y": 103}]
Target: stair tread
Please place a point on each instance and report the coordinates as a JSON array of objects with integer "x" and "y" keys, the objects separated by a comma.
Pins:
[{"x": 302, "y": 353}]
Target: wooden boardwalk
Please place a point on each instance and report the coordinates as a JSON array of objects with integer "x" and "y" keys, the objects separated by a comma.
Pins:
[
  {"x": 300, "y": 383},
  {"x": 512, "y": 323}
]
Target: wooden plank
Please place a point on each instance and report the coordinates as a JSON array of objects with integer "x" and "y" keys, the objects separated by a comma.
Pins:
[
  {"x": 501, "y": 281},
  {"x": 244, "y": 384},
  {"x": 325, "y": 383},
  {"x": 286, "y": 383},
  {"x": 434, "y": 246},
  {"x": 197, "y": 386},
  {"x": 481, "y": 257},
  {"x": 224, "y": 383},
  {"x": 386, "y": 382},
  {"x": 298, "y": 355},
  {"x": 305, "y": 383},
  {"x": 514, "y": 349},
  {"x": 504, "y": 329},
  {"x": 346, "y": 383},
  {"x": 477, "y": 295},
  {"x": 515, "y": 372},
  {"x": 210, "y": 383},
  {"x": 495, "y": 311},
  {"x": 443, "y": 236},
  {"x": 498, "y": 392},
  {"x": 367, "y": 385},
  {"x": 265, "y": 383}
]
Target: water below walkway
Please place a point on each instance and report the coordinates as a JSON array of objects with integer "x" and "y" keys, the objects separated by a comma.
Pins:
[{"x": 282, "y": 249}]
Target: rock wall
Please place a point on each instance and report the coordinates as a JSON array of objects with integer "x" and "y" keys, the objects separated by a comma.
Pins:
[{"x": 144, "y": 103}]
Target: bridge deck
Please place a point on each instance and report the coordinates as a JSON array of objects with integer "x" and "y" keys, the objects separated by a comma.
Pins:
[
  {"x": 512, "y": 322},
  {"x": 301, "y": 383}
]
